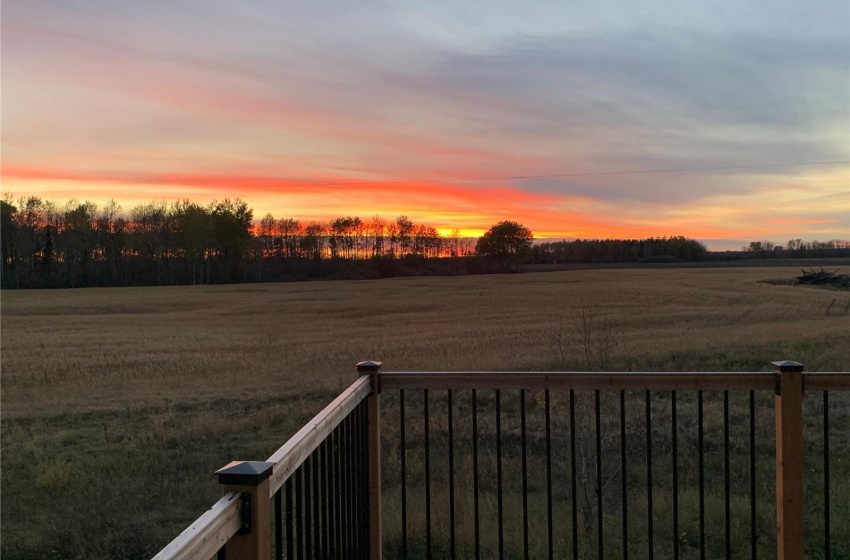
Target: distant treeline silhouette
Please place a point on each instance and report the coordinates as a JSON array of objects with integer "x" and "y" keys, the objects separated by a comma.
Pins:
[
  {"x": 660, "y": 249},
  {"x": 78, "y": 245},
  {"x": 45, "y": 245},
  {"x": 677, "y": 249},
  {"x": 794, "y": 249}
]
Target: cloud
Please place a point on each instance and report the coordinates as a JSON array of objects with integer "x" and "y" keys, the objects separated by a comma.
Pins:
[
  {"x": 203, "y": 94},
  {"x": 650, "y": 98},
  {"x": 328, "y": 196}
]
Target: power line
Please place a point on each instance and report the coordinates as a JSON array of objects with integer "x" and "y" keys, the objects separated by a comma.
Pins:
[{"x": 564, "y": 175}]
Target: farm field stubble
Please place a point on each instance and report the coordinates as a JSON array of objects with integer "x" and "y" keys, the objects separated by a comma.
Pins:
[{"x": 117, "y": 404}]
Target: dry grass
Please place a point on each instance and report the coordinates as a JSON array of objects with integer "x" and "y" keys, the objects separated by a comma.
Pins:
[
  {"x": 92, "y": 349},
  {"x": 110, "y": 393}
]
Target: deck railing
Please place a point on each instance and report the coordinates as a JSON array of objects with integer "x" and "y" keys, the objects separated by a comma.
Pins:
[{"x": 546, "y": 465}]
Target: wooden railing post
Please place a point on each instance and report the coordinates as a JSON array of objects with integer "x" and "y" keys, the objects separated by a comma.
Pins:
[
  {"x": 373, "y": 370},
  {"x": 789, "y": 460},
  {"x": 251, "y": 479}
]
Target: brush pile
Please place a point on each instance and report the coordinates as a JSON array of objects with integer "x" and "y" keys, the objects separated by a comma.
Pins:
[{"x": 824, "y": 278}]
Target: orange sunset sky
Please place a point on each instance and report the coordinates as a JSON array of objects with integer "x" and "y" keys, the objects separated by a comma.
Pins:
[{"x": 456, "y": 114}]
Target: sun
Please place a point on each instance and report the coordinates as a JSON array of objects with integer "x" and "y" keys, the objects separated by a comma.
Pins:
[{"x": 461, "y": 232}]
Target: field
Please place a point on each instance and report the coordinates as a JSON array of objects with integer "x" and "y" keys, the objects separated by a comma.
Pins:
[{"x": 117, "y": 404}]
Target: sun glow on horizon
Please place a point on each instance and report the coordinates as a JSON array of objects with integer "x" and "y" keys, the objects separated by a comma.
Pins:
[
  {"x": 455, "y": 208},
  {"x": 459, "y": 232}
]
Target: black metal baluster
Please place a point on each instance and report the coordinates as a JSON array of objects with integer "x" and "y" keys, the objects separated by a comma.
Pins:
[
  {"x": 317, "y": 508},
  {"x": 343, "y": 492},
  {"x": 727, "y": 491},
  {"x": 332, "y": 480},
  {"x": 573, "y": 480},
  {"x": 352, "y": 482},
  {"x": 451, "y": 476},
  {"x": 475, "y": 504},
  {"x": 278, "y": 525},
  {"x": 359, "y": 516},
  {"x": 363, "y": 495},
  {"x": 649, "y": 509},
  {"x": 343, "y": 471},
  {"x": 675, "y": 442},
  {"x": 549, "y": 511},
  {"x": 826, "y": 520},
  {"x": 701, "y": 451},
  {"x": 356, "y": 543},
  {"x": 299, "y": 513},
  {"x": 343, "y": 486},
  {"x": 349, "y": 503},
  {"x": 349, "y": 463},
  {"x": 367, "y": 506},
  {"x": 403, "y": 454},
  {"x": 339, "y": 532},
  {"x": 363, "y": 518},
  {"x": 308, "y": 507},
  {"x": 524, "y": 474},
  {"x": 624, "y": 475},
  {"x": 290, "y": 520},
  {"x": 427, "y": 477},
  {"x": 753, "y": 535},
  {"x": 499, "y": 474},
  {"x": 326, "y": 501},
  {"x": 599, "y": 529},
  {"x": 340, "y": 465}
]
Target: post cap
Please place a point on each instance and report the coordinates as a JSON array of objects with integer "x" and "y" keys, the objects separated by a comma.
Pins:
[
  {"x": 787, "y": 366},
  {"x": 369, "y": 366},
  {"x": 244, "y": 473}
]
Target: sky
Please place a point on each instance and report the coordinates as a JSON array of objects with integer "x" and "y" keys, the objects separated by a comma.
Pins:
[{"x": 457, "y": 114}]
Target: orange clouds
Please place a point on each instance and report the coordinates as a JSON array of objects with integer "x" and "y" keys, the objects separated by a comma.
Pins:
[
  {"x": 441, "y": 204},
  {"x": 470, "y": 208}
]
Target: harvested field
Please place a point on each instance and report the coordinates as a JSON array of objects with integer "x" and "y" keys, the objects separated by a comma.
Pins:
[{"x": 129, "y": 398}]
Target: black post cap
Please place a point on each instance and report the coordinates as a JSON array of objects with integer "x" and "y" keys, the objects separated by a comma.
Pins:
[
  {"x": 244, "y": 473},
  {"x": 787, "y": 366},
  {"x": 369, "y": 366}
]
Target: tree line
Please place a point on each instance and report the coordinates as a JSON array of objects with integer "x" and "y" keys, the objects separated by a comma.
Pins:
[
  {"x": 653, "y": 249},
  {"x": 794, "y": 249},
  {"x": 796, "y": 246},
  {"x": 677, "y": 249},
  {"x": 43, "y": 244},
  {"x": 46, "y": 245}
]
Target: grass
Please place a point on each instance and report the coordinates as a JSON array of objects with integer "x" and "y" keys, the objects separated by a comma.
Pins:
[{"x": 117, "y": 404}]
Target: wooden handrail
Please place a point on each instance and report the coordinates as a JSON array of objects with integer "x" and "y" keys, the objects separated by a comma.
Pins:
[
  {"x": 203, "y": 538},
  {"x": 826, "y": 381},
  {"x": 577, "y": 380},
  {"x": 291, "y": 454}
]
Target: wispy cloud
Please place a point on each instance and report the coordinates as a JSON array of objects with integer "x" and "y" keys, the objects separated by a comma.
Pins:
[{"x": 190, "y": 98}]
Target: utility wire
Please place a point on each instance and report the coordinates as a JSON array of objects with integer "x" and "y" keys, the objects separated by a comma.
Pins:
[{"x": 562, "y": 175}]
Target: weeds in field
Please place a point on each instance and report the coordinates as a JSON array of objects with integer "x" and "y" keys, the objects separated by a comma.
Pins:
[
  {"x": 591, "y": 332},
  {"x": 54, "y": 477}
]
